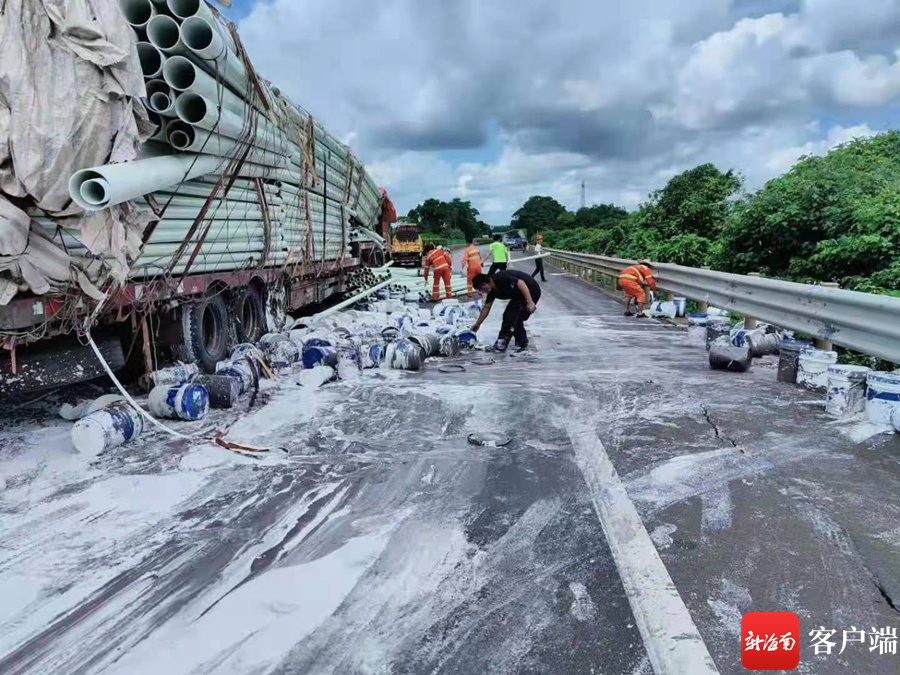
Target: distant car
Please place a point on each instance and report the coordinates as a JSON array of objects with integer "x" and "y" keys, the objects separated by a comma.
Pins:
[{"x": 516, "y": 243}]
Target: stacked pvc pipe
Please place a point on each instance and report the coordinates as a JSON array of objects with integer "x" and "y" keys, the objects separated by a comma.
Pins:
[{"x": 209, "y": 110}]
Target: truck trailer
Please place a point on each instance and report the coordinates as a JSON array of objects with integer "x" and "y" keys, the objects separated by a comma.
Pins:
[{"x": 158, "y": 196}]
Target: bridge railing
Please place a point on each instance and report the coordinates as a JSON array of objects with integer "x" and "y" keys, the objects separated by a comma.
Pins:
[{"x": 864, "y": 322}]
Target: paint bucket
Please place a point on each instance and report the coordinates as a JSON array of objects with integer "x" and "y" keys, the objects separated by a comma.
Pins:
[
  {"x": 283, "y": 355},
  {"x": 846, "y": 390},
  {"x": 298, "y": 334},
  {"x": 411, "y": 298},
  {"x": 895, "y": 419},
  {"x": 697, "y": 319},
  {"x": 812, "y": 368},
  {"x": 189, "y": 402},
  {"x": 106, "y": 429},
  {"x": 403, "y": 355},
  {"x": 715, "y": 311},
  {"x": 315, "y": 355},
  {"x": 468, "y": 339},
  {"x": 449, "y": 345},
  {"x": 762, "y": 343},
  {"x": 349, "y": 365},
  {"x": 680, "y": 306},
  {"x": 243, "y": 349},
  {"x": 663, "y": 309},
  {"x": 240, "y": 370},
  {"x": 224, "y": 391},
  {"x": 716, "y": 327},
  {"x": 180, "y": 373},
  {"x": 725, "y": 355},
  {"x": 428, "y": 342},
  {"x": 383, "y": 294},
  {"x": 372, "y": 356},
  {"x": 883, "y": 396},
  {"x": 790, "y": 354},
  {"x": 444, "y": 330}
]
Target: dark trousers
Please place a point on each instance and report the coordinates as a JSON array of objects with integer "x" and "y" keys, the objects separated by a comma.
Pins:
[
  {"x": 496, "y": 266},
  {"x": 539, "y": 267},
  {"x": 514, "y": 318}
]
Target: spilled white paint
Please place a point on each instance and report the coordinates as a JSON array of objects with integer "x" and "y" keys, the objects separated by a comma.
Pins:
[
  {"x": 583, "y": 608},
  {"x": 662, "y": 535}
]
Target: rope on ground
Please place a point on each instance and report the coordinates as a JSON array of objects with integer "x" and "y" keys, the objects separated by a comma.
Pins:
[{"x": 452, "y": 368}]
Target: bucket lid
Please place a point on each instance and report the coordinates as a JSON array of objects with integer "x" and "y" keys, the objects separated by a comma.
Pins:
[
  {"x": 819, "y": 354},
  {"x": 884, "y": 377},
  {"x": 846, "y": 369}
]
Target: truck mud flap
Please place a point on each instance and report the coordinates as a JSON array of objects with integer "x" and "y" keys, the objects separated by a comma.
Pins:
[{"x": 56, "y": 364}]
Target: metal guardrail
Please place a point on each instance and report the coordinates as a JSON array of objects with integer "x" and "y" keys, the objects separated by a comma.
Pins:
[{"x": 863, "y": 322}]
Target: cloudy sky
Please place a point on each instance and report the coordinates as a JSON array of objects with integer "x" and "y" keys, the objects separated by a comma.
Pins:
[{"x": 497, "y": 100}]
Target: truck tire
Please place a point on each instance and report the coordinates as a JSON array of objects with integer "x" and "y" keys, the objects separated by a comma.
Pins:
[
  {"x": 248, "y": 314},
  {"x": 206, "y": 333}
]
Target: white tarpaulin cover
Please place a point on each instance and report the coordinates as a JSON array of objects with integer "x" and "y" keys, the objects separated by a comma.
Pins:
[{"x": 70, "y": 84}]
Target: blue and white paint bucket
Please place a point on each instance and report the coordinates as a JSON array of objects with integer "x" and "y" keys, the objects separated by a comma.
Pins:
[
  {"x": 240, "y": 370},
  {"x": 883, "y": 396},
  {"x": 680, "y": 306},
  {"x": 319, "y": 356},
  {"x": 106, "y": 429},
  {"x": 372, "y": 356},
  {"x": 846, "y": 390},
  {"x": 403, "y": 355},
  {"x": 468, "y": 339},
  {"x": 188, "y": 402},
  {"x": 812, "y": 368},
  {"x": 177, "y": 374},
  {"x": 243, "y": 349}
]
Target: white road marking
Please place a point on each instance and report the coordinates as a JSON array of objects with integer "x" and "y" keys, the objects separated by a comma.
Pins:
[{"x": 672, "y": 640}]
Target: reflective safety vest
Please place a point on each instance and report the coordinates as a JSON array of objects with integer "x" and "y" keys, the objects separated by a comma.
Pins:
[
  {"x": 639, "y": 273},
  {"x": 472, "y": 257},
  {"x": 437, "y": 259}
]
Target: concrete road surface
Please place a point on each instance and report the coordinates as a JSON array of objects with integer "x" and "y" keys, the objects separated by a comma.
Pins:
[{"x": 643, "y": 505}]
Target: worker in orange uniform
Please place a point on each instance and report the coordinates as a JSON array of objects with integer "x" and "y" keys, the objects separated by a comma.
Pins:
[
  {"x": 441, "y": 262},
  {"x": 634, "y": 281},
  {"x": 471, "y": 263}
]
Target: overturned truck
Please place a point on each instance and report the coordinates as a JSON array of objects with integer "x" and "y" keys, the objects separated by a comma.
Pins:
[{"x": 158, "y": 196}]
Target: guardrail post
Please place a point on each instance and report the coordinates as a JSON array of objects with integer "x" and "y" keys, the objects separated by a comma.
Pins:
[
  {"x": 749, "y": 322},
  {"x": 825, "y": 345},
  {"x": 703, "y": 305}
]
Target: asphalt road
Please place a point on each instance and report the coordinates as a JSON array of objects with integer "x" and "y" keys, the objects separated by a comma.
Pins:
[{"x": 381, "y": 541}]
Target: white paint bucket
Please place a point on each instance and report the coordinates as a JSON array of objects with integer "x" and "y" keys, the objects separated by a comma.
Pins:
[
  {"x": 883, "y": 396},
  {"x": 895, "y": 421},
  {"x": 812, "y": 368},
  {"x": 667, "y": 309},
  {"x": 106, "y": 429},
  {"x": 846, "y": 390},
  {"x": 680, "y": 306}
]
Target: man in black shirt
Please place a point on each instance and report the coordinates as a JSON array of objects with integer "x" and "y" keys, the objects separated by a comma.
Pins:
[{"x": 523, "y": 293}]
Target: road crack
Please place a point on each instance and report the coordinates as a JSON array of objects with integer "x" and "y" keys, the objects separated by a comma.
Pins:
[{"x": 716, "y": 431}]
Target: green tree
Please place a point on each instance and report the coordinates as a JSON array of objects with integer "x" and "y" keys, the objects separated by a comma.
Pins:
[
  {"x": 538, "y": 214},
  {"x": 832, "y": 218}
]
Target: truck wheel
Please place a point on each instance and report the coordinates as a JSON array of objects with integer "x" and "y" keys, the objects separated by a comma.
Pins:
[
  {"x": 207, "y": 333},
  {"x": 248, "y": 314}
]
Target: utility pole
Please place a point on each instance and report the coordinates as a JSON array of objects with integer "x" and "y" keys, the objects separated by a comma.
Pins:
[{"x": 582, "y": 194}]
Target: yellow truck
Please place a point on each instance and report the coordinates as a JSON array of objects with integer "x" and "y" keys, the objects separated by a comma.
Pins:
[{"x": 406, "y": 250}]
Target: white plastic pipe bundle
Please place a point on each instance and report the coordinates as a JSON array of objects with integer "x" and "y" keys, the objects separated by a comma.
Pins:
[{"x": 200, "y": 95}]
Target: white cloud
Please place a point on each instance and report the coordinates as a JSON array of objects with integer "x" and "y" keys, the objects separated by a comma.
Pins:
[{"x": 619, "y": 94}]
